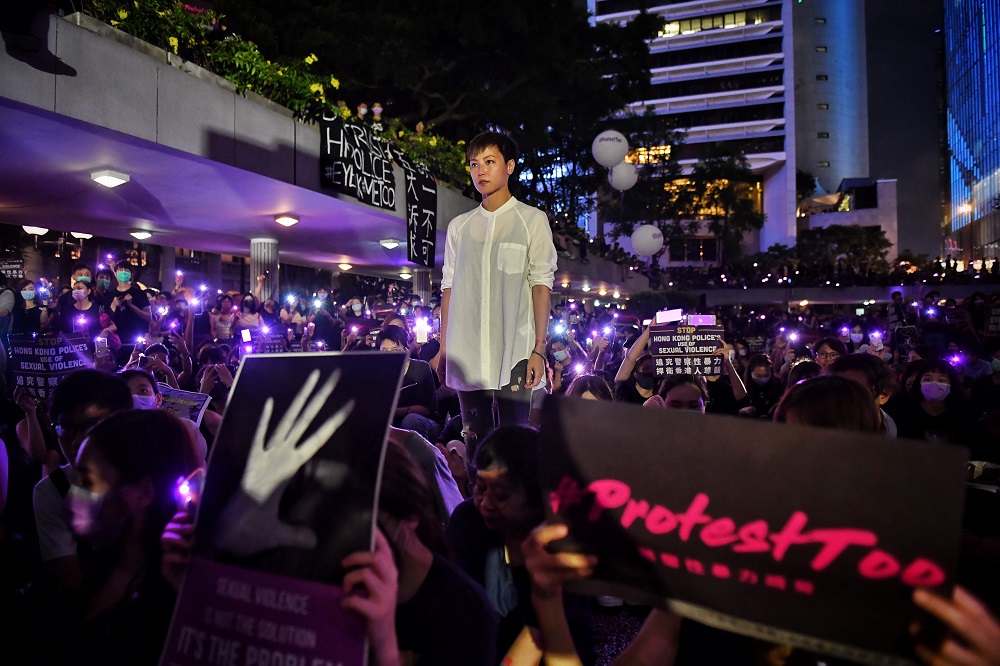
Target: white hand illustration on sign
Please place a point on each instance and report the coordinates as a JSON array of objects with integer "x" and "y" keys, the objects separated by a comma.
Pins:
[{"x": 249, "y": 523}]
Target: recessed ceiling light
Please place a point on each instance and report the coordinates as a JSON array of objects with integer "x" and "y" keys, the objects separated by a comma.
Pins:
[
  {"x": 35, "y": 231},
  {"x": 139, "y": 234},
  {"x": 389, "y": 243},
  {"x": 585, "y": 288},
  {"x": 80, "y": 235},
  {"x": 344, "y": 267},
  {"x": 286, "y": 220},
  {"x": 603, "y": 292},
  {"x": 109, "y": 178},
  {"x": 405, "y": 275},
  {"x": 616, "y": 295}
]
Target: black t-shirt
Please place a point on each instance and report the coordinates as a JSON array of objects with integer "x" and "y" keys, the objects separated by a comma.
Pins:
[
  {"x": 449, "y": 621},
  {"x": 720, "y": 397},
  {"x": 26, "y": 320},
  {"x": 130, "y": 325},
  {"x": 418, "y": 387},
  {"x": 328, "y": 329},
  {"x": 627, "y": 392}
]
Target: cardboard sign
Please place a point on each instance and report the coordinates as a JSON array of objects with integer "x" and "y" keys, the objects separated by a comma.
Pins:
[
  {"x": 40, "y": 363},
  {"x": 291, "y": 490},
  {"x": 421, "y": 211},
  {"x": 679, "y": 350},
  {"x": 185, "y": 404},
  {"x": 809, "y": 537},
  {"x": 354, "y": 162}
]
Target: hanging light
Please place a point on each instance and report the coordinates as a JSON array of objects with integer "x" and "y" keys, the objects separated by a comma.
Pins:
[
  {"x": 35, "y": 231},
  {"x": 79, "y": 235},
  {"x": 139, "y": 234},
  {"x": 389, "y": 243},
  {"x": 344, "y": 267}
]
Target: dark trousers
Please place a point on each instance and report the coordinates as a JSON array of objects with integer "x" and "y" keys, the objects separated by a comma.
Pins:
[{"x": 482, "y": 411}]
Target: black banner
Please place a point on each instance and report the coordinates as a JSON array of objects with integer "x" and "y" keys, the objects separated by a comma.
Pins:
[
  {"x": 802, "y": 536},
  {"x": 421, "y": 211},
  {"x": 354, "y": 162},
  {"x": 40, "y": 363},
  {"x": 686, "y": 350}
]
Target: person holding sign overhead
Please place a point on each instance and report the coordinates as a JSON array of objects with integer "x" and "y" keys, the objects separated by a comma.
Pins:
[{"x": 499, "y": 264}]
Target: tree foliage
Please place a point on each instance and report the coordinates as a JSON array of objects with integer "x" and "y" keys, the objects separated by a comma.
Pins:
[{"x": 854, "y": 246}]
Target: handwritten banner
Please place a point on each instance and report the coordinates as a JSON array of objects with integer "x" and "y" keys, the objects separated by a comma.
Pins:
[
  {"x": 679, "y": 350},
  {"x": 356, "y": 163},
  {"x": 291, "y": 490},
  {"x": 421, "y": 211},
  {"x": 809, "y": 537},
  {"x": 40, "y": 363},
  {"x": 185, "y": 404}
]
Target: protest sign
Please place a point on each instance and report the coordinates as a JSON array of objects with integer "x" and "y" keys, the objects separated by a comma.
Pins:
[
  {"x": 755, "y": 345},
  {"x": 687, "y": 350},
  {"x": 12, "y": 269},
  {"x": 353, "y": 161},
  {"x": 40, "y": 363},
  {"x": 291, "y": 490},
  {"x": 421, "y": 211},
  {"x": 185, "y": 404},
  {"x": 801, "y": 536},
  {"x": 993, "y": 319}
]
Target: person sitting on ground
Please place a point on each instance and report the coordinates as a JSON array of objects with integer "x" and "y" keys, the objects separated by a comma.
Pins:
[
  {"x": 590, "y": 387},
  {"x": 763, "y": 388},
  {"x": 829, "y": 350},
  {"x": 416, "y": 407},
  {"x": 874, "y": 375},
  {"x": 937, "y": 409},
  {"x": 682, "y": 391},
  {"x": 146, "y": 395}
]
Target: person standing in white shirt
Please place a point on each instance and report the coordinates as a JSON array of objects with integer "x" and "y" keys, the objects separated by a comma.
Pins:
[{"x": 499, "y": 265}]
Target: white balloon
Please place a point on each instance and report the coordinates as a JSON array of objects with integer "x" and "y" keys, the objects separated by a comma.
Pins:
[
  {"x": 647, "y": 240},
  {"x": 609, "y": 148},
  {"x": 623, "y": 176}
]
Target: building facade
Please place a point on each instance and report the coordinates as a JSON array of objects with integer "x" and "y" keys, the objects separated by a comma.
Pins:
[
  {"x": 972, "y": 52},
  {"x": 781, "y": 81}
]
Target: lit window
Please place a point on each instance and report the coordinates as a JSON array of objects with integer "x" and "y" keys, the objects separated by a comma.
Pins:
[
  {"x": 822, "y": 135},
  {"x": 820, "y": 49},
  {"x": 820, "y": 20},
  {"x": 822, "y": 77},
  {"x": 822, "y": 106},
  {"x": 824, "y": 163}
]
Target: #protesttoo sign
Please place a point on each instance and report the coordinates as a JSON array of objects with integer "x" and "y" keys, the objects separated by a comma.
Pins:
[
  {"x": 291, "y": 490},
  {"x": 40, "y": 363},
  {"x": 808, "y": 537},
  {"x": 353, "y": 161},
  {"x": 686, "y": 350}
]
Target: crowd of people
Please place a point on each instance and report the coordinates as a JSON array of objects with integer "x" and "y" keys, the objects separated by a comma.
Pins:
[{"x": 97, "y": 529}]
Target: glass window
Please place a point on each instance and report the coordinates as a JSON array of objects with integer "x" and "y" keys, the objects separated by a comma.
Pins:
[
  {"x": 822, "y": 77},
  {"x": 820, "y": 49},
  {"x": 822, "y": 135},
  {"x": 822, "y": 107},
  {"x": 820, "y": 20},
  {"x": 824, "y": 163}
]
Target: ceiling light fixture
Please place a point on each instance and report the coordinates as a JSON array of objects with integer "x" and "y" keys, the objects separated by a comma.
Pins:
[
  {"x": 35, "y": 231},
  {"x": 79, "y": 235},
  {"x": 109, "y": 178},
  {"x": 139, "y": 234},
  {"x": 286, "y": 220},
  {"x": 405, "y": 275},
  {"x": 584, "y": 288},
  {"x": 616, "y": 295},
  {"x": 344, "y": 267},
  {"x": 389, "y": 243}
]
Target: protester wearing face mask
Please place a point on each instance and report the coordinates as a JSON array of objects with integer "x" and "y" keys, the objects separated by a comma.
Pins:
[
  {"x": 763, "y": 388},
  {"x": 130, "y": 309},
  {"x": 85, "y": 316},
  {"x": 248, "y": 317},
  {"x": 641, "y": 384},
  {"x": 63, "y": 309},
  {"x": 294, "y": 315},
  {"x": 327, "y": 328},
  {"x": 937, "y": 409},
  {"x": 563, "y": 362},
  {"x": 146, "y": 395},
  {"x": 118, "y": 505},
  {"x": 28, "y": 315}
]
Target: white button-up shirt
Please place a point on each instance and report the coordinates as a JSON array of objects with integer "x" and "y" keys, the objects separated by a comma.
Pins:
[{"x": 491, "y": 262}]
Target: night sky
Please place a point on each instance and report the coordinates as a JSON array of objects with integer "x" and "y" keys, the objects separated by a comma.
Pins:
[{"x": 905, "y": 118}]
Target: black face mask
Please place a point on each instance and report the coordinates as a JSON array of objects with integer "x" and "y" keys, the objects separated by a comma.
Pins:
[{"x": 646, "y": 380}]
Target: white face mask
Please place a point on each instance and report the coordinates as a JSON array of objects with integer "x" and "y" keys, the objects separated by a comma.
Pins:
[
  {"x": 144, "y": 401},
  {"x": 857, "y": 337},
  {"x": 760, "y": 381},
  {"x": 83, "y": 506},
  {"x": 742, "y": 352},
  {"x": 560, "y": 355},
  {"x": 935, "y": 391}
]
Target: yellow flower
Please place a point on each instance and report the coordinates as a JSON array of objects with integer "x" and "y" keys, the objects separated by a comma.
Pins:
[
  {"x": 311, "y": 58},
  {"x": 114, "y": 22},
  {"x": 122, "y": 14},
  {"x": 174, "y": 44},
  {"x": 400, "y": 132},
  {"x": 468, "y": 169},
  {"x": 461, "y": 142},
  {"x": 433, "y": 141},
  {"x": 335, "y": 83},
  {"x": 317, "y": 88}
]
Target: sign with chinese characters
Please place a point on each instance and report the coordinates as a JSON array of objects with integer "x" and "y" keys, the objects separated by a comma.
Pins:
[
  {"x": 686, "y": 350},
  {"x": 12, "y": 269},
  {"x": 353, "y": 161},
  {"x": 807, "y": 537},
  {"x": 40, "y": 363},
  {"x": 421, "y": 211}
]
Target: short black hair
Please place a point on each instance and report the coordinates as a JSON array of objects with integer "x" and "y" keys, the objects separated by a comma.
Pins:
[
  {"x": 879, "y": 376},
  {"x": 82, "y": 388},
  {"x": 135, "y": 372},
  {"x": 394, "y": 334},
  {"x": 516, "y": 449},
  {"x": 492, "y": 138}
]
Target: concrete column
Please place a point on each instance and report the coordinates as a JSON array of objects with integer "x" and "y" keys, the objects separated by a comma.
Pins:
[
  {"x": 422, "y": 284},
  {"x": 264, "y": 260},
  {"x": 168, "y": 268}
]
